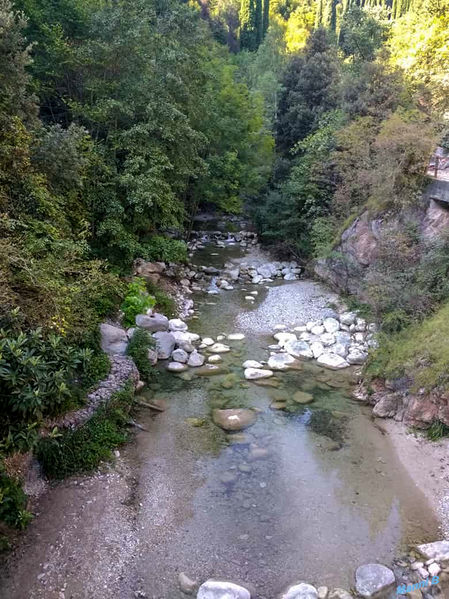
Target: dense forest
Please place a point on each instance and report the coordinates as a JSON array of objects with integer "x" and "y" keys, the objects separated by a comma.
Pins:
[{"x": 120, "y": 120}]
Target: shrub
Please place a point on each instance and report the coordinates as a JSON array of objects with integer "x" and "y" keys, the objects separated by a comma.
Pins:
[
  {"x": 13, "y": 502},
  {"x": 137, "y": 301},
  {"x": 420, "y": 351},
  {"x": 165, "y": 249},
  {"x": 164, "y": 303},
  {"x": 138, "y": 348},
  {"x": 35, "y": 372},
  {"x": 83, "y": 449}
]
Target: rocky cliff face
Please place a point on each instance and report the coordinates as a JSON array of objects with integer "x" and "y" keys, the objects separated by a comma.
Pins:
[
  {"x": 393, "y": 399},
  {"x": 347, "y": 266},
  {"x": 348, "y": 269}
]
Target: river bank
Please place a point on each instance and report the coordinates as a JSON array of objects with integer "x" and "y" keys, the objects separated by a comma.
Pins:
[{"x": 307, "y": 493}]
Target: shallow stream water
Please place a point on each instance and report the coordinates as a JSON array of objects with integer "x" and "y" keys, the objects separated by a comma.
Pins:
[{"x": 307, "y": 493}]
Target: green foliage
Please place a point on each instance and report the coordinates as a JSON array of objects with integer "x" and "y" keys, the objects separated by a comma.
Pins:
[
  {"x": 138, "y": 348},
  {"x": 164, "y": 249},
  {"x": 83, "y": 449},
  {"x": 164, "y": 302},
  {"x": 137, "y": 301},
  {"x": 361, "y": 35},
  {"x": 35, "y": 371},
  {"x": 437, "y": 430},
  {"x": 420, "y": 351},
  {"x": 13, "y": 502},
  {"x": 310, "y": 90}
]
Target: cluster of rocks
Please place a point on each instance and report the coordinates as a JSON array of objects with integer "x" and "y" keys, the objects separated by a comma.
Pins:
[
  {"x": 123, "y": 370},
  {"x": 173, "y": 342},
  {"x": 220, "y": 239},
  {"x": 421, "y": 575},
  {"x": 335, "y": 342},
  {"x": 262, "y": 273}
]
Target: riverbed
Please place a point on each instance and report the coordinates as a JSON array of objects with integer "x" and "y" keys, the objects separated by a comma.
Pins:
[{"x": 309, "y": 492}]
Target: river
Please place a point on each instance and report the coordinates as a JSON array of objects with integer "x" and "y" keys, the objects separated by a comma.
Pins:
[{"x": 307, "y": 493}]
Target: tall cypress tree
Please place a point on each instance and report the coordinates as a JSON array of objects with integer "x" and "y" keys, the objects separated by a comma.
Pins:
[
  {"x": 266, "y": 16},
  {"x": 248, "y": 29},
  {"x": 259, "y": 23}
]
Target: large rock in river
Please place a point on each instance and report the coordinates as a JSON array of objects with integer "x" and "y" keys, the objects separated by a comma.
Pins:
[
  {"x": 114, "y": 340},
  {"x": 438, "y": 550},
  {"x": 332, "y": 361},
  {"x": 234, "y": 419},
  {"x": 165, "y": 344},
  {"x": 373, "y": 579},
  {"x": 152, "y": 323},
  {"x": 298, "y": 349},
  {"x": 215, "y": 589},
  {"x": 280, "y": 361}
]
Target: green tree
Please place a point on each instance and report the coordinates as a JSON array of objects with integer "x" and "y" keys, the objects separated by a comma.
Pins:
[{"x": 310, "y": 90}]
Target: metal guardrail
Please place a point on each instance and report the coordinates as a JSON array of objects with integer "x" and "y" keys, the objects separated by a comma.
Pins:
[{"x": 439, "y": 166}]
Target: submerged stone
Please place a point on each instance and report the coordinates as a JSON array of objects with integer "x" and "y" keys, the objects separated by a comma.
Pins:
[
  {"x": 176, "y": 367},
  {"x": 302, "y": 397},
  {"x": 219, "y": 348},
  {"x": 252, "y": 374},
  {"x": 234, "y": 419}
]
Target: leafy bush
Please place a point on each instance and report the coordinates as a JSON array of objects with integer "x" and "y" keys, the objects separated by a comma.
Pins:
[
  {"x": 83, "y": 449},
  {"x": 96, "y": 369},
  {"x": 137, "y": 301},
  {"x": 13, "y": 502},
  {"x": 35, "y": 373},
  {"x": 165, "y": 249},
  {"x": 138, "y": 348},
  {"x": 164, "y": 303}
]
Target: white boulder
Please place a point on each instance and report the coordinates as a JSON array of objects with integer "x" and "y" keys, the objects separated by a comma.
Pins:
[
  {"x": 373, "y": 579},
  {"x": 331, "y": 325},
  {"x": 327, "y": 339},
  {"x": 176, "y": 324},
  {"x": 332, "y": 361},
  {"x": 283, "y": 338},
  {"x": 317, "y": 349},
  {"x": 356, "y": 356},
  {"x": 280, "y": 361},
  {"x": 299, "y": 349},
  {"x": 300, "y": 591},
  {"x": 348, "y": 318},
  {"x": 179, "y": 355},
  {"x": 214, "y": 589},
  {"x": 252, "y": 364},
  {"x": 196, "y": 359},
  {"x": 219, "y": 348},
  {"x": 165, "y": 344}
]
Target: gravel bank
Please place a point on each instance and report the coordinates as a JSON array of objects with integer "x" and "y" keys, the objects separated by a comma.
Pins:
[{"x": 290, "y": 304}]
